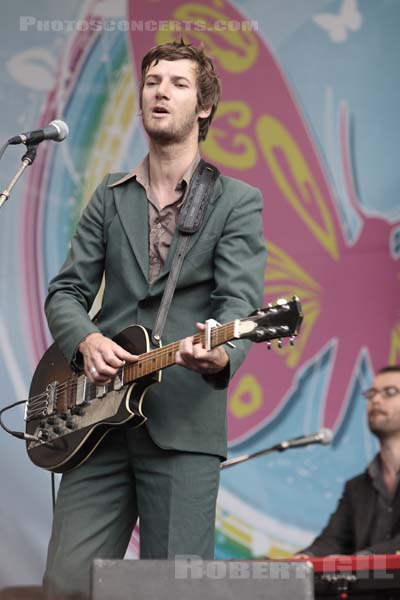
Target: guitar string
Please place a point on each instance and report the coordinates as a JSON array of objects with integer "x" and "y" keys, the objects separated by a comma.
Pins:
[
  {"x": 154, "y": 357},
  {"x": 149, "y": 361},
  {"x": 39, "y": 404}
]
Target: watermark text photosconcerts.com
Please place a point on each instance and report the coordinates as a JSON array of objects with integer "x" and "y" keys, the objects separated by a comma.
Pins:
[{"x": 29, "y": 23}]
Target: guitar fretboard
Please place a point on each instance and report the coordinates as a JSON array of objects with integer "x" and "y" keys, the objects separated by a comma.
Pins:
[{"x": 160, "y": 358}]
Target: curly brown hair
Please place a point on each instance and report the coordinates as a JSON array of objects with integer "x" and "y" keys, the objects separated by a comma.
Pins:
[{"x": 208, "y": 83}]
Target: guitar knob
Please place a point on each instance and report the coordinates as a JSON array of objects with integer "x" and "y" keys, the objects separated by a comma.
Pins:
[
  {"x": 43, "y": 434},
  {"x": 57, "y": 429},
  {"x": 70, "y": 424}
]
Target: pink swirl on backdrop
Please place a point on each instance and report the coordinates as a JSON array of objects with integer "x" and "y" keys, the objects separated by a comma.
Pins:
[{"x": 349, "y": 294}]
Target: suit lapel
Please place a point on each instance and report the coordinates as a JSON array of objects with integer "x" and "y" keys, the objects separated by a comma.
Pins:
[{"x": 132, "y": 207}]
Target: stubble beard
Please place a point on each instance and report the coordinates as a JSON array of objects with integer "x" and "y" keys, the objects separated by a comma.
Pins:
[
  {"x": 174, "y": 133},
  {"x": 383, "y": 429}
]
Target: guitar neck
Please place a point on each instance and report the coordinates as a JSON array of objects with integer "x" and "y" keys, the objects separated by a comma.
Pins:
[{"x": 160, "y": 358}]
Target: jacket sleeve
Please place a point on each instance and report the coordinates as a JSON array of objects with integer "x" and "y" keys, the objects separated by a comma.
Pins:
[
  {"x": 338, "y": 535},
  {"x": 72, "y": 292},
  {"x": 390, "y": 546},
  {"x": 239, "y": 269}
]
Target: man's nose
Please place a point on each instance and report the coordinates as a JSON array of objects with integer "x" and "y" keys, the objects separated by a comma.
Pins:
[
  {"x": 376, "y": 400},
  {"x": 163, "y": 90}
]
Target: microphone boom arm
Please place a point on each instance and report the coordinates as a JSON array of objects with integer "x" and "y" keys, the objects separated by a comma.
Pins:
[
  {"x": 322, "y": 437},
  {"x": 245, "y": 457}
]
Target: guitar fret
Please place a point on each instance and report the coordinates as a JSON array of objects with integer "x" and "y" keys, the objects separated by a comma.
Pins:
[
  {"x": 222, "y": 334},
  {"x": 163, "y": 357}
]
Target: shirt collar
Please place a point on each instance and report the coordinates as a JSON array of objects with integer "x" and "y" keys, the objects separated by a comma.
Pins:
[
  {"x": 141, "y": 174},
  {"x": 375, "y": 471},
  {"x": 375, "y": 468}
]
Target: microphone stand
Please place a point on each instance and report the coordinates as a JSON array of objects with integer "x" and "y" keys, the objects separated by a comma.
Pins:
[
  {"x": 27, "y": 160},
  {"x": 239, "y": 459}
]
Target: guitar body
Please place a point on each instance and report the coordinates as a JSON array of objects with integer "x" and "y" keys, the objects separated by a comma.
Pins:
[{"x": 68, "y": 436}]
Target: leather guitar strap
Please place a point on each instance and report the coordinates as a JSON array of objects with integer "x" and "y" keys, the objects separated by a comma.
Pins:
[{"x": 191, "y": 217}]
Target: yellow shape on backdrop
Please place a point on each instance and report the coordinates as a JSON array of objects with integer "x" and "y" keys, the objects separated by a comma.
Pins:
[
  {"x": 248, "y": 387},
  {"x": 273, "y": 135},
  {"x": 394, "y": 354},
  {"x": 238, "y": 49},
  {"x": 238, "y": 115},
  {"x": 284, "y": 277}
]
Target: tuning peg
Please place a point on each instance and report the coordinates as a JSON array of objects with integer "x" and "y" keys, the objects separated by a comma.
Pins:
[
  {"x": 281, "y": 301},
  {"x": 279, "y": 343},
  {"x": 272, "y": 308},
  {"x": 292, "y": 340},
  {"x": 268, "y": 345}
]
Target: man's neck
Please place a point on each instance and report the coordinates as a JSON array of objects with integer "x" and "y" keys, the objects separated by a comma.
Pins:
[
  {"x": 168, "y": 164},
  {"x": 390, "y": 457}
]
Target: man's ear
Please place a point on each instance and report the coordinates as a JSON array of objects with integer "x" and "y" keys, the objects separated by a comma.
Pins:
[{"x": 203, "y": 114}]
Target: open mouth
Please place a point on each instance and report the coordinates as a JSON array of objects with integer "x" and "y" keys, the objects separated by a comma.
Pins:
[{"x": 160, "y": 110}]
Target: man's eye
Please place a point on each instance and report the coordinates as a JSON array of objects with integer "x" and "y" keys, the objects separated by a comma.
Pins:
[{"x": 391, "y": 391}]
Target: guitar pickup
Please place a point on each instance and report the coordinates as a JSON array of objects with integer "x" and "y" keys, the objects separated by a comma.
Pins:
[
  {"x": 119, "y": 380},
  {"x": 80, "y": 395},
  {"x": 51, "y": 392},
  {"x": 101, "y": 390}
]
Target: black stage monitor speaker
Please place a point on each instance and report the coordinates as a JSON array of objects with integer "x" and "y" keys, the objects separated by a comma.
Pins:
[{"x": 191, "y": 578}]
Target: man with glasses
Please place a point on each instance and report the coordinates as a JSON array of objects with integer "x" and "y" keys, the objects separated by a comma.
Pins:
[{"x": 367, "y": 519}]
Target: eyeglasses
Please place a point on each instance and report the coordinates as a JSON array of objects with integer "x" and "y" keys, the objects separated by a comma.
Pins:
[{"x": 387, "y": 392}]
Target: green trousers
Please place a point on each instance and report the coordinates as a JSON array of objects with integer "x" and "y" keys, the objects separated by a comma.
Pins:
[{"x": 173, "y": 493}]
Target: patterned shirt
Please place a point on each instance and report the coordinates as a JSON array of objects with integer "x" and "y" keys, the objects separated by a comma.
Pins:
[{"x": 162, "y": 221}]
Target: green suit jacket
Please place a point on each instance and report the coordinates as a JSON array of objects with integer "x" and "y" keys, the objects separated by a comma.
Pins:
[{"x": 222, "y": 278}]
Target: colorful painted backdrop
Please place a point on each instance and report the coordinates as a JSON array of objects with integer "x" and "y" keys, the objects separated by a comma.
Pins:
[{"x": 310, "y": 116}]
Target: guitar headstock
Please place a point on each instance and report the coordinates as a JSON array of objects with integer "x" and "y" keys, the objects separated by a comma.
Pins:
[{"x": 275, "y": 322}]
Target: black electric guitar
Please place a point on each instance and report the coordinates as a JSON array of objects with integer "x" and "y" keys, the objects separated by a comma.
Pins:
[{"x": 67, "y": 416}]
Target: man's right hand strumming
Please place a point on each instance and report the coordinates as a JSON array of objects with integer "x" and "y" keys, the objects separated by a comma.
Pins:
[{"x": 102, "y": 358}]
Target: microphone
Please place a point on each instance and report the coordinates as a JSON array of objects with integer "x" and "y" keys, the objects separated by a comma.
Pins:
[
  {"x": 56, "y": 131},
  {"x": 324, "y": 436}
]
